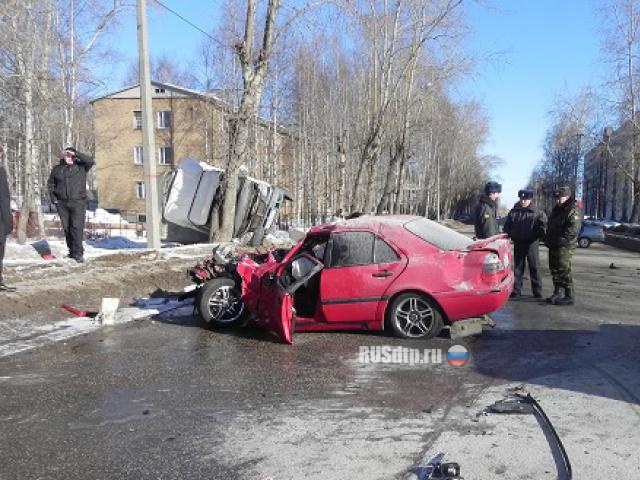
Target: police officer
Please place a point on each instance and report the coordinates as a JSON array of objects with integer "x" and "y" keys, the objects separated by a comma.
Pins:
[
  {"x": 562, "y": 233},
  {"x": 486, "y": 224},
  {"x": 525, "y": 226},
  {"x": 68, "y": 191},
  {"x": 6, "y": 220}
]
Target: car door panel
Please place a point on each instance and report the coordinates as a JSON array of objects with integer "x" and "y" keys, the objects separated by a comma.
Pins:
[{"x": 352, "y": 293}]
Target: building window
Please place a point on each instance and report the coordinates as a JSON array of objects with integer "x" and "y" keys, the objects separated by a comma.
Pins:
[
  {"x": 164, "y": 119},
  {"x": 159, "y": 90},
  {"x": 137, "y": 119},
  {"x": 140, "y": 190},
  {"x": 165, "y": 156},
  {"x": 137, "y": 155}
]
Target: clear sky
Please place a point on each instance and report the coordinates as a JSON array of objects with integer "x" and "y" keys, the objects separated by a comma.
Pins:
[
  {"x": 551, "y": 48},
  {"x": 547, "y": 48}
]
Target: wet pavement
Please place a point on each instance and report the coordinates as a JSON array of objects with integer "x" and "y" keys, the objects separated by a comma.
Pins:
[{"x": 166, "y": 399}]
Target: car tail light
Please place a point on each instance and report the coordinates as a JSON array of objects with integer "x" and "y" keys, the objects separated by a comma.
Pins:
[{"x": 492, "y": 266}]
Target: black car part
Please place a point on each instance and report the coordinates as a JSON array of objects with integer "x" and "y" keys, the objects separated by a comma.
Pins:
[
  {"x": 519, "y": 403},
  {"x": 436, "y": 468}
]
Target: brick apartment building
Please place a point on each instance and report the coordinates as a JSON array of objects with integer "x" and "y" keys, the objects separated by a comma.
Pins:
[{"x": 187, "y": 124}]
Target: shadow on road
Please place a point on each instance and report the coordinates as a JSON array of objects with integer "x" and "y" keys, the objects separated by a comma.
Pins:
[{"x": 599, "y": 362}]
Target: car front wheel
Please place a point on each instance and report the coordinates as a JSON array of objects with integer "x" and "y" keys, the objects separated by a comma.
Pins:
[
  {"x": 412, "y": 315},
  {"x": 220, "y": 304},
  {"x": 584, "y": 242}
]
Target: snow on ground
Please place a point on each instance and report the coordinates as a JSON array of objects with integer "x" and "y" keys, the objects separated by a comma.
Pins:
[
  {"x": 25, "y": 255},
  {"x": 22, "y": 335}
]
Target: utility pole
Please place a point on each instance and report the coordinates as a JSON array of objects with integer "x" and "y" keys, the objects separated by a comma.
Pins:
[
  {"x": 438, "y": 188},
  {"x": 148, "y": 133}
]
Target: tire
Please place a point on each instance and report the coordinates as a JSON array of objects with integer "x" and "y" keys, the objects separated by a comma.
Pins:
[
  {"x": 219, "y": 304},
  {"x": 584, "y": 242},
  {"x": 427, "y": 319}
]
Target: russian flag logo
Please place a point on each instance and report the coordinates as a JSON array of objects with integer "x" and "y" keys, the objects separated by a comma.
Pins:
[{"x": 457, "y": 356}]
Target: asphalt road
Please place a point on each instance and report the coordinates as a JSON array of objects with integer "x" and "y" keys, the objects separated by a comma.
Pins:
[{"x": 165, "y": 399}]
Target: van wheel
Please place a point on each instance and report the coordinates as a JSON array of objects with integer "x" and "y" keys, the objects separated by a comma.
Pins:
[
  {"x": 220, "y": 304},
  {"x": 412, "y": 315},
  {"x": 584, "y": 242}
]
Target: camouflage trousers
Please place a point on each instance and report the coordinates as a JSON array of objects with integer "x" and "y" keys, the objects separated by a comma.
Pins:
[{"x": 560, "y": 266}]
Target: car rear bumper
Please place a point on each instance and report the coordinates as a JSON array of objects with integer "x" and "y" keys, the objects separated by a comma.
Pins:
[{"x": 476, "y": 302}]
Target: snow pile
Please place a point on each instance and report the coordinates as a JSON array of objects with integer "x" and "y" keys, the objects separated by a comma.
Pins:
[
  {"x": 103, "y": 217},
  {"x": 279, "y": 238},
  {"x": 116, "y": 243}
]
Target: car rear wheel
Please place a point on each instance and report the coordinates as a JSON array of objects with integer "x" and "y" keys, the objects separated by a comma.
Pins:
[
  {"x": 412, "y": 315},
  {"x": 220, "y": 304},
  {"x": 584, "y": 242}
]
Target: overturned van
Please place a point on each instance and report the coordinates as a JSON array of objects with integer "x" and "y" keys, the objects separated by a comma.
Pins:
[{"x": 192, "y": 190}]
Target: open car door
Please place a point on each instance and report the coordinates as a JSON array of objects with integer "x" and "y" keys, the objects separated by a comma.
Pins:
[{"x": 278, "y": 292}]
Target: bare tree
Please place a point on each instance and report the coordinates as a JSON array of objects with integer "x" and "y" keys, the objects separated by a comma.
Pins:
[
  {"x": 621, "y": 42},
  {"x": 254, "y": 64}
]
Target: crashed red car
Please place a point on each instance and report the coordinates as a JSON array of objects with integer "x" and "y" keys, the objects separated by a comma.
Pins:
[{"x": 404, "y": 274}]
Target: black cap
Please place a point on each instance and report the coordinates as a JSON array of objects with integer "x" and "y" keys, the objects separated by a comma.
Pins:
[
  {"x": 525, "y": 194},
  {"x": 562, "y": 191},
  {"x": 70, "y": 149},
  {"x": 492, "y": 187}
]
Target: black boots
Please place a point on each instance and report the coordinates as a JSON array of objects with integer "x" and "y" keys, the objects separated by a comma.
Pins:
[
  {"x": 567, "y": 299},
  {"x": 555, "y": 297}
]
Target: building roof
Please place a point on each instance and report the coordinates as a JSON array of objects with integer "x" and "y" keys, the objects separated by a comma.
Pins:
[{"x": 133, "y": 91}]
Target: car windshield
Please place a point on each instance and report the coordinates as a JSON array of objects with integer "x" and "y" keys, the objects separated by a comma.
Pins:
[{"x": 438, "y": 235}]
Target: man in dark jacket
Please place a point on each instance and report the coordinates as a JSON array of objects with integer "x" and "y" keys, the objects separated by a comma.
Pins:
[
  {"x": 525, "y": 226},
  {"x": 486, "y": 212},
  {"x": 562, "y": 233},
  {"x": 68, "y": 191},
  {"x": 6, "y": 220}
]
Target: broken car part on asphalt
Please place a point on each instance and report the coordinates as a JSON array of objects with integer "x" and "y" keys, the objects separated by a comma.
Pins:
[
  {"x": 519, "y": 403},
  {"x": 405, "y": 274},
  {"x": 436, "y": 468}
]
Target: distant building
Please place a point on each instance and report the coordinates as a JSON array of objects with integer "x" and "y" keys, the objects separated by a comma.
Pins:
[
  {"x": 187, "y": 124},
  {"x": 607, "y": 191}
]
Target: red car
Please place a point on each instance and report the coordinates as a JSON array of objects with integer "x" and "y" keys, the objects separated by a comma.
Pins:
[{"x": 405, "y": 274}]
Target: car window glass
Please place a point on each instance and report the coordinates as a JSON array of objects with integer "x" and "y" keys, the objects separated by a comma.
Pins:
[
  {"x": 352, "y": 248},
  {"x": 383, "y": 253},
  {"x": 438, "y": 235}
]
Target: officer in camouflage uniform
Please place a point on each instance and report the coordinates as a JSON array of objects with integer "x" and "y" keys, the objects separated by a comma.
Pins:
[
  {"x": 485, "y": 215},
  {"x": 562, "y": 233}
]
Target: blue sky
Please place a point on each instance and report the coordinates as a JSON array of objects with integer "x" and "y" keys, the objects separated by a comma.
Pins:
[
  {"x": 551, "y": 48},
  {"x": 547, "y": 48}
]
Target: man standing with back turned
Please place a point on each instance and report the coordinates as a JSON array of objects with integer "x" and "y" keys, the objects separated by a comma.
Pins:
[
  {"x": 525, "y": 226},
  {"x": 562, "y": 233},
  {"x": 68, "y": 191}
]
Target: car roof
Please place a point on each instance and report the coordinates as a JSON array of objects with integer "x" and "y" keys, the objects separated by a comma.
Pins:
[{"x": 365, "y": 222}]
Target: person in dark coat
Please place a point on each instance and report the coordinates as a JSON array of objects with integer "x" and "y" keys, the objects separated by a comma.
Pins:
[
  {"x": 486, "y": 213},
  {"x": 562, "y": 234},
  {"x": 6, "y": 221},
  {"x": 525, "y": 226},
  {"x": 68, "y": 191}
]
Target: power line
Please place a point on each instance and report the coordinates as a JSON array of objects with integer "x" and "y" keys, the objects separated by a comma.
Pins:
[{"x": 189, "y": 22}]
